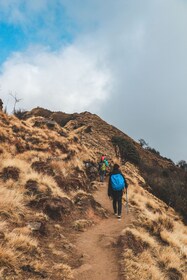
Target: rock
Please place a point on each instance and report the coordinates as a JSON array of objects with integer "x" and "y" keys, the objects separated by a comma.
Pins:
[
  {"x": 38, "y": 226},
  {"x": 35, "y": 225}
]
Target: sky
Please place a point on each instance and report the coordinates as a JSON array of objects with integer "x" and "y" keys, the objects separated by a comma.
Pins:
[{"x": 125, "y": 60}]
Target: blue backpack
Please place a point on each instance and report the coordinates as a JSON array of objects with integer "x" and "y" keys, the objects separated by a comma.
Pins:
[{"x": 117, "y": 182}]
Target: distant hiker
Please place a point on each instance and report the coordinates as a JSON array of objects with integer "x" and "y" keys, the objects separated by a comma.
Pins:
[
  {"x": 116, "y": 186},
  {"x": 102, "y": 157},
  {"x": 106, "y": 162},
  {"x": 102, "y": 170}
]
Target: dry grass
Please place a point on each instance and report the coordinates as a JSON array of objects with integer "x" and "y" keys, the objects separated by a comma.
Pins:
[
  {"x": 154, "y": 226},
  {"x": 47, "y": 182},
  {"x": 8, "y": 257},
  {"x": 3, "y": 225},
  {"x": 80, "y": 225},
  {"x": 169, "y": 259},
  {"x": 154, "y": 245},
  {"x": 64, "y": 271},
  {"x": 11, "y": 203},
  {"x": 21, "y": 242}
]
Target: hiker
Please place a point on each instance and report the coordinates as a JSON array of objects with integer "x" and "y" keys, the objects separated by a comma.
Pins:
[
  {"x": 116, "y": 186},
  {"x": 106, "y": 162},
  {"x": 102, "y": 170},
  {"x": 102, "y": 157}
]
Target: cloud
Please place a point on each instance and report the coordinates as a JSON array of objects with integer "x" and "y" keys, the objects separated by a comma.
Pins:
[
  {"x": 68, "y": 80},
  {"x": 22, "y": 11},
  {"x": 146, "y": 44},
  {"x": 128, "y": 62}
]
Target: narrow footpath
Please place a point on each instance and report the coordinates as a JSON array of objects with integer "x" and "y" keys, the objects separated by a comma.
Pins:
[{"x": 97, "y": 244}]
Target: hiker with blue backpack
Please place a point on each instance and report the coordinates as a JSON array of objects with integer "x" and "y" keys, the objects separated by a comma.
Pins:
[{"x": 116, "y": 186}]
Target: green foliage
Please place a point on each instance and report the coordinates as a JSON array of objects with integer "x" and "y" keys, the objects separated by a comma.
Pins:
[{"x": 127, "y": 150}]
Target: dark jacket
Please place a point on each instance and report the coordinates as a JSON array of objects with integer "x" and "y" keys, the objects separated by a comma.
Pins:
[{"x": 111, "y": 192}]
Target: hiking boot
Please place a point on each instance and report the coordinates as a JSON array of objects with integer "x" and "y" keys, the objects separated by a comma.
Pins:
[
  {"x": 115, "y": 214},
  {"x": 119, "y": 217}
]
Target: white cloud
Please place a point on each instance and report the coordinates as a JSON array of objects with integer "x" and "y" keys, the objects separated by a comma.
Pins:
[
  {"x": 68, "y": 80},
  {"x": 21, "y": 11},
  {"x": 136, "y": 57}
]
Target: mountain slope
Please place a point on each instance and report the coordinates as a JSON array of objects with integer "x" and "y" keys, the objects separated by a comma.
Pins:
[{"x": 48, "y": 173}]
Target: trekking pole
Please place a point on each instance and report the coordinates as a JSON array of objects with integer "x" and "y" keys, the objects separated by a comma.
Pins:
[{"x": 127, "y": 204}]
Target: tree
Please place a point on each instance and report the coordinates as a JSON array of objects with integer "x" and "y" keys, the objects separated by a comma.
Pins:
[
  {"x": 142, "y": 143},
  {"x": 16, "y": 100},
  {"x": 182, "y": 164}
]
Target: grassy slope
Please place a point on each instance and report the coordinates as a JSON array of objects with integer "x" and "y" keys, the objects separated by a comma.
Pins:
[
  {"x": 155, "y": 245},
  {"x": 43, "y": 172},
  {"x": 41, "y": 181}
]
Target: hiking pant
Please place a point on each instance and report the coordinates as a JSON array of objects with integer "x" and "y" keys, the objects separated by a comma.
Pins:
[
  {"x": 102, "y": 175},
  {"x": 117, "y": 201}
]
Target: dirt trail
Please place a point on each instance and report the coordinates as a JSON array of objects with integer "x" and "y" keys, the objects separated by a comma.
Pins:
[{"x": 97, "y": 244}]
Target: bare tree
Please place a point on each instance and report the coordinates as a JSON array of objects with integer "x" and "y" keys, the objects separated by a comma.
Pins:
[{"x": 16, "y": 100}]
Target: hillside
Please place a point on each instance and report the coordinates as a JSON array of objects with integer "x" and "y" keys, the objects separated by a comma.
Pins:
[
  {"x": 163, "y": 178},
  {"x": 48, "y": 178}
]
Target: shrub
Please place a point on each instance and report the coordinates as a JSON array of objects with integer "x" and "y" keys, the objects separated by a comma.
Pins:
[
  {"x": 152, "y": 150},
  {"x": 167, "y": 185},
  {"x": 127, "y": 151},
  {"x": 20, "y": 113}
]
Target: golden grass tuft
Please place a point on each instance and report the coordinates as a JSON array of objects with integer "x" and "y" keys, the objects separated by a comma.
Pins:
[
  {"x": 21, "y": 242},
  {"x": 140, "y": 267},
  {"x": 80, "y": 225},
  {"x": 64, "y": 271},
  {"x": 8, "y": 257},
  {"x": 168, "y": 258},
  {"x": 11, "y": 203}
]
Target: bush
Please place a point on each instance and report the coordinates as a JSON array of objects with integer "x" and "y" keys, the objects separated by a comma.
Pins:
[
  {"x": 167, "y": 185},
  {"x": 20, "y": 113},
  {"x": 125, "y": 149},
  {"x": 152, "y": 150}
]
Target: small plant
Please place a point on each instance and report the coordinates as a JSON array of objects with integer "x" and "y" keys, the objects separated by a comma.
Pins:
[{"x": 80, "y": 225}]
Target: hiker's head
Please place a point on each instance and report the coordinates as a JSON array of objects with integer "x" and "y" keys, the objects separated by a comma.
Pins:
[{"x": 115, "y": 167}]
